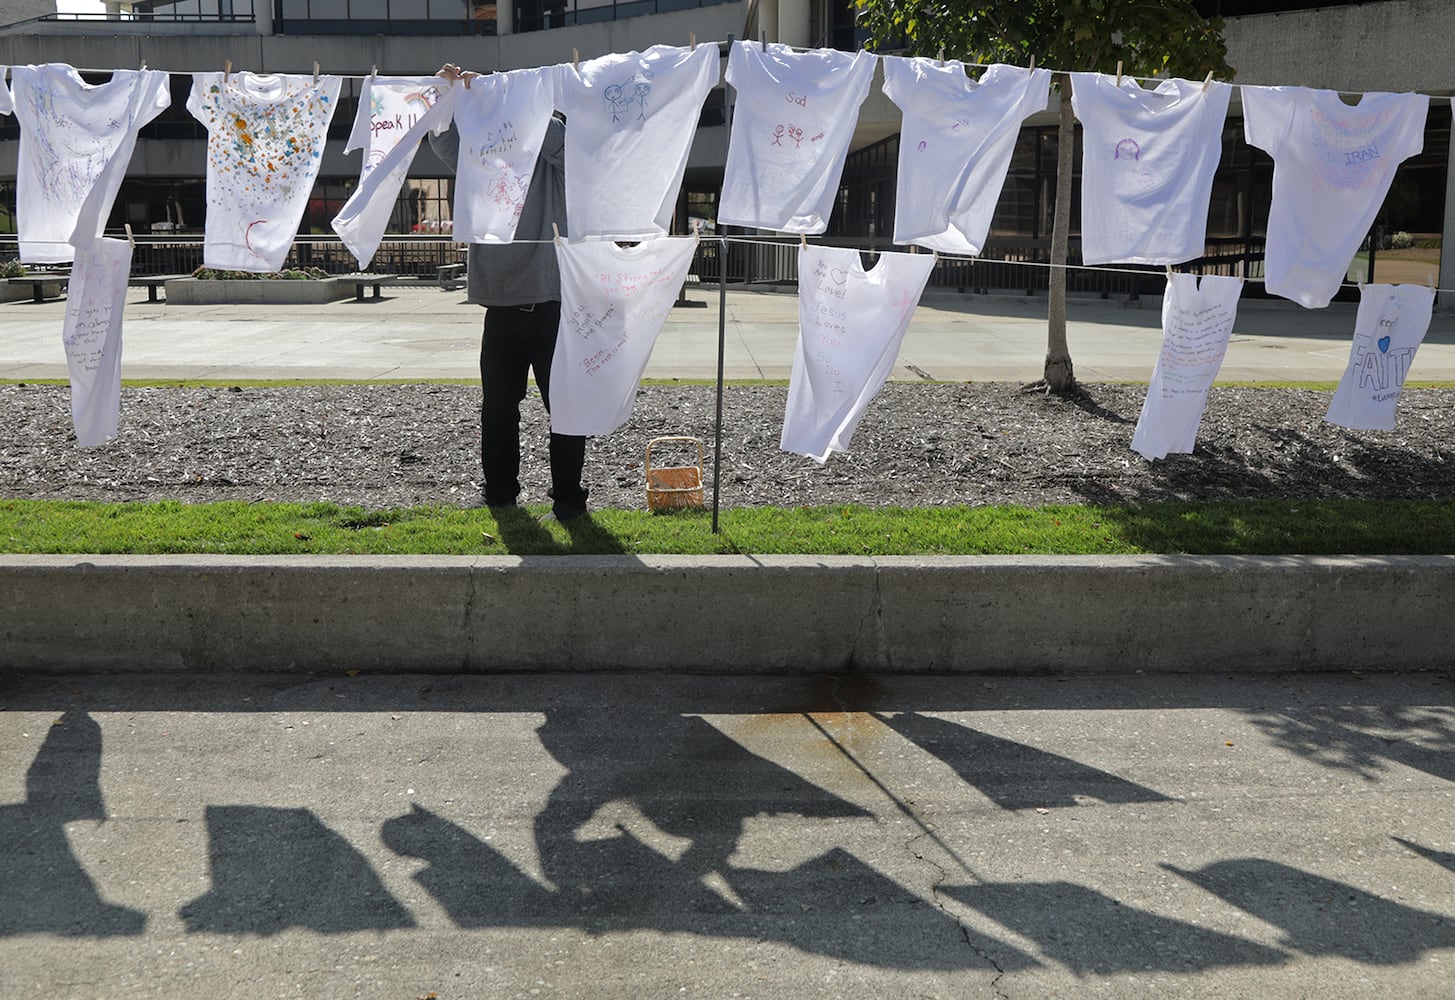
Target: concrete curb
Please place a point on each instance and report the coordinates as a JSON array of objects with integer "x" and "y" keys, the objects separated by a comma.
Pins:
[{"x": 739, "y": 614}]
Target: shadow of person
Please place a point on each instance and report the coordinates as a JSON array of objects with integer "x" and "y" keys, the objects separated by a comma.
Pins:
[
  {"x": 522, "y": 534},
  {"x": 273, "y": 869},
  {"x": 1321, "y": 916},
  {"x": 43, "y": 886},
  {"x": 1014, "y": 775}
]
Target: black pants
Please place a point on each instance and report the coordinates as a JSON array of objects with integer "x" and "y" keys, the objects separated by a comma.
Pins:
[{"x": 516, "y": 340}]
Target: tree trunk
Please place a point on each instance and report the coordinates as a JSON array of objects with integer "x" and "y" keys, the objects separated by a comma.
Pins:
[{"x": 1059, "y": 375}]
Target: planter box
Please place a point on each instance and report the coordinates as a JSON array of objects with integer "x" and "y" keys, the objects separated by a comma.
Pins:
[
  {"x": 194, "y": 292},
  {"x": 23, "y": 289}
]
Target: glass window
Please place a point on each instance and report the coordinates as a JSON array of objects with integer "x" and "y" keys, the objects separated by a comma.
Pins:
[
  {"x": 332, "y": 9},
  {"x": 369, "y": 10}
]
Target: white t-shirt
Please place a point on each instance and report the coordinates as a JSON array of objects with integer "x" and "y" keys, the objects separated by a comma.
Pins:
[
  {"x": 91, "y": 336},
  {"x": 265, "y": 138},
  {"x": 7, "y": 104},
  {"x": 614, "y": 301},
  {"x": 1147, "y": 164},
  {"x": 794, "y": 117},
  {"x": 850, "y": 325},
  {"x": 502, "y": 119},
  {"x": 395, "y": 114},
  {"x": 1332, "y": 167},
  {"x": 955, "y": 146},
  {"x": 1388, "y": 330},
  {"x": 75, "y": 143},
  {"x": 631, "y": 122},
  {"x": 1197, "y": 321}
]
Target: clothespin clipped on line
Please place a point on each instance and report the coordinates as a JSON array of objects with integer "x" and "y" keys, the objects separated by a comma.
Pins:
[
  {"x": 940, "y": 57},
  {"x": 1119, "y": 72},
  {"x": 556, "y": 234},
  {"x": 1208, "y": 82},
  {"x": 374, "y": 73},
  {"x": 130, "y": 238},
  {"x": 315, "y": 71},
  {"x": 692, "y": 40},
  {"x": 762, "y": 39},
  {"x": 226, "y": 69},
  {"x": 1033, "y": 61},
  {"x": 576, "y": 58},
  {"x": 143, "y": 65},
  {"x": 803, "y": 241}
]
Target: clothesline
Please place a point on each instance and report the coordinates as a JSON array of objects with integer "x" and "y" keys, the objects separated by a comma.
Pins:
[
  {"x": 757, "y": 241},
  {"x": 723, "y": 45}
]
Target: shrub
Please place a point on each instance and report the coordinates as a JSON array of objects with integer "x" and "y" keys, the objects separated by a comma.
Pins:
[
  {"x": 1401, "y": 241},
  {"x": 293, "y": 274},
  {"x": 12, "y": 269}
]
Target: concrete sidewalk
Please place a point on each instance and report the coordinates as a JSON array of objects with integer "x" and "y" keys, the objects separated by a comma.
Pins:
[
  {"x": 258, "y": 836},
  {"x": 422, "y": 334}
]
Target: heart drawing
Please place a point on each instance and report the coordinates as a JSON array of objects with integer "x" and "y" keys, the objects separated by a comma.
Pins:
[
  {"x": 1383, "y": 344},
  {"x": 840, "y": 276}
]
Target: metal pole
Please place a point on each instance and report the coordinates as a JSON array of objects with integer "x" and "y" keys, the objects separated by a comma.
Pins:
[{"x": 721, "y": 342}]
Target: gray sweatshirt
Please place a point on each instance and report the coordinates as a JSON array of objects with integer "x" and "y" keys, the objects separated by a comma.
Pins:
[{"x": 518, "y": 274}]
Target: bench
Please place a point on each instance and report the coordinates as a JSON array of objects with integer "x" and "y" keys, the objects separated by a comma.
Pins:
[
  {"x": 451, "y": 276},
  {"x": 39, "y": 281},
  {"x": 377, "y": 282},
  {"x": 151, "y": 282}
]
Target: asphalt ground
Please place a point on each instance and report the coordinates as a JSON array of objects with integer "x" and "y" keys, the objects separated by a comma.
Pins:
[
  {"x": 428, "y": 333},
  {"x": 249, "y": 836}
]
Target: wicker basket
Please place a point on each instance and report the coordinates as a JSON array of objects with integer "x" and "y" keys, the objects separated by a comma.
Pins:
[{"x": 674, "y": 486}]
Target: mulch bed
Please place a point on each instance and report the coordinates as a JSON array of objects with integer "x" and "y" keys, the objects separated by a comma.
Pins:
[{"x": 383, "y": 446}]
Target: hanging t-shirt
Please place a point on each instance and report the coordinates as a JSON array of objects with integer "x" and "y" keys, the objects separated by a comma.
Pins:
[
  {"x": 502, "y": 120},
  {"x": 76, "y": 140},
  {"x": 631, "y": 119},
  {"x": 1147, "y": 164},
  {"x": 850, "y": 325},
  {"x": 955, "y": 146},
  {"x": 265, "y": 138},
  {"x": 1388, "y": 330},
  {"x": 1332, "y": 166},
  {"x": 614, "y": 301},
  {"x": 1197, "y": 320},
  {"x": 394, "y": 116},
  {"x": 92, "y": 338},
  {"x": 7, "y": 104},
  {"x": 794, "y": 117}
]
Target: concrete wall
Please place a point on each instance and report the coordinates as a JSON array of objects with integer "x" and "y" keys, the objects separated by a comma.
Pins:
[
  {"x": 1397, "y": 45},
  {"x": 726, "y": 614}
]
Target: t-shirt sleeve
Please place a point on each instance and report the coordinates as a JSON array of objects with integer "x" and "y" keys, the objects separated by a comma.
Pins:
[
  {"x": 7, "y": 103},
  {"x": 1267, "y": 114},
  {"x": 1038, "y": 94},
  {"x": 1082, "y": 98},
  {"x": 1414, "y": 132},
  {"x": 737, "y": 59},
  {"x": 359, "y": 134},
  {"x": 894, "y": 70},
  {"x": 197, "y": 99}
]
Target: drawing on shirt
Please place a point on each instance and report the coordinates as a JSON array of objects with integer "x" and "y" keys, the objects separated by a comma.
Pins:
[
  {"x": 640, "y": 91},
  {"x": 67, "y": 159},
  {"x": 1127, "y": 149},
  {"x": 508, "y": 189},
  {"x": 615, "y": 97},
  {"x": 497, "y": 141},
  {"x": 382, "y": 121},
  {"x": 1348, "y": 150},
  {"x": 621, "y": 96},
  {"x": 1384, "y": 369}
]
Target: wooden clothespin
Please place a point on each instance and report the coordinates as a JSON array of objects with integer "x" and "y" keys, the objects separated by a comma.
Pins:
[
  {"x": 940, "y": 57},
  {"x": 374, "y": 73},
  {"x": 226, "y": 69},
  {"x": 1207, "y": 83},
  {"x": 129, "y": 238},
  {"x": 803, "y": 241},
  {"x": 556, "y": 234},
  {"x": 315, "y": 71},
  {"x": 1033, "y": 61},
  {"x": 576, "y": 58},
  {"x": 692, "y": 40},
  {"x": 143, "y": 65},
  {"x": 1169, "y": 273},
  {"x": 1119, "y": 72}
]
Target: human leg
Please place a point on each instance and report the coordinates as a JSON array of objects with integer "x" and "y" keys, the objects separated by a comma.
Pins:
[
  {"x": 568, "y": 451},
  {"x": 504, "y": 363}
]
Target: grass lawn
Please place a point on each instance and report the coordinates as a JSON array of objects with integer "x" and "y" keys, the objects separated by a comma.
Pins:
[{"x": 237, "y": 528}]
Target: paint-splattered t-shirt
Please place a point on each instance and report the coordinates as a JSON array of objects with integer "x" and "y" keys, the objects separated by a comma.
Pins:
[{"x": 265, "y": 143}]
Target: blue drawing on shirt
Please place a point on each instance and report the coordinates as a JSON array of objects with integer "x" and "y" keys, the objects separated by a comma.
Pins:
[
  {"x": 616, "y": 100},
  {"x": 1127, "y": 149}
]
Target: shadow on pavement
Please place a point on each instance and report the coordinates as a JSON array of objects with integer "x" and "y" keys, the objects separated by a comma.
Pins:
[
  {"x": 43, "y": 887},
  {"x": 1320, "y": 916},
  {"x": 1014, "y": 775}
]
